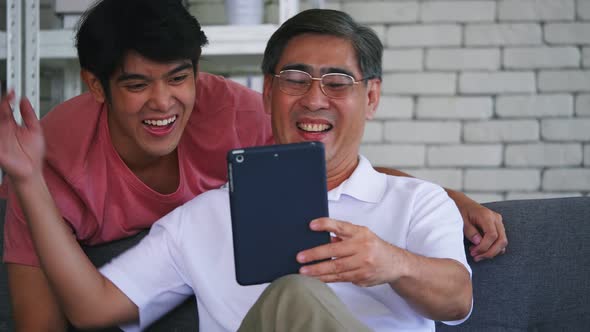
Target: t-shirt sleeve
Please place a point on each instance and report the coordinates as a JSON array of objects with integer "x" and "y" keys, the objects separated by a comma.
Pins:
[
  {"x": 437, "y": 229},
  {"x": 151, "y": 273}
]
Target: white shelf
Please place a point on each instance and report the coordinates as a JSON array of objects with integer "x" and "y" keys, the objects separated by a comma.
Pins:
[{"x": 223, "y": 40}]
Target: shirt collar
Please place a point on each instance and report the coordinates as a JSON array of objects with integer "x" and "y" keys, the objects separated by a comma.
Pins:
[{"x": 364, "y": 184}]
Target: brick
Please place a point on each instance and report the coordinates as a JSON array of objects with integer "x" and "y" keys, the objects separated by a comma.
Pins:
[
  {"x": 403, "y": 60},
  {"x": 464, "y": 155},
  {"x": 584, "y": 9},
  {"x": 424, "y": 35},
  {"x": 564, "y": 81},
  {"x": 381, "y": 12},
  {"x": 380, "y": 31},
  {"x": 566, "y": 129},
  {"x": 586, "y": 57},
  {"x": 454, "y": 108},
  {"x": 458, "y": 11},
  {"x": 501, "y": 131},
  {"x": 541, "y": 57},
  {"x": 540, "y": 195},
  {"x": 393, "y": 107},
  {"x": 484, "y": 197},
  {"x": 463, "y": 59},
  {"x": 420, "y": 83},
  {"x": 503, "y": 34},
  {"x": 373, "y": 132},
  {"x": 546, "y": 154},
  {"x": 390, "y": 155},
  {"x": 567, "y": 33},
  {"x": 536, "y": 10},
  {"x": 496, "y": 82},
  {"x": 566, "y": 179},
  {"x": 583, "y": 105},
  {"x": 502, "y": 179},
  {"x": 587, "y": 155},
  {"x": 535, "y": 106},
  {"x": 448, "y": 178},
  {"x": 422, "y": 132}
]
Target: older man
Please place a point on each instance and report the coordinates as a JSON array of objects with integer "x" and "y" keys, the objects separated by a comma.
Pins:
[{"x": 398, "y": 261}]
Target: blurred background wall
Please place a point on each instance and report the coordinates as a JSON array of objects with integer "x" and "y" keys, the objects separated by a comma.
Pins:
[{"x": 491, "y": 97}]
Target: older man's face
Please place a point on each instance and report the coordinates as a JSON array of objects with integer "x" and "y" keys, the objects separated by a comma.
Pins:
[{"x": 314, "y": 116}]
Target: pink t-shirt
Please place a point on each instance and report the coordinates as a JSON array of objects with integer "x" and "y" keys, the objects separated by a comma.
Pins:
[{"x": 97, "y": 194}]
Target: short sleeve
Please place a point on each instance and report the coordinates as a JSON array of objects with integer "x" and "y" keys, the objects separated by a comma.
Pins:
[{"x": 150, "y": 274}]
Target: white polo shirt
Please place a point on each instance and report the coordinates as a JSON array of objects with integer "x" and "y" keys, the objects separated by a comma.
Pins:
[{"x": 191, "y": 250}]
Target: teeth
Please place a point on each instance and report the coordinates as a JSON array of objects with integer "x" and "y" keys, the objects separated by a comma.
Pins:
[
  {"x": 313, "y": 127},
  {"x": 160, "y": 123}
]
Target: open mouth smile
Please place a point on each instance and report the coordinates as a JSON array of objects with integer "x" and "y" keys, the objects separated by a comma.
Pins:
[
  {"x": 314, "y": 127},
  {"x": 160, "y": 123}
]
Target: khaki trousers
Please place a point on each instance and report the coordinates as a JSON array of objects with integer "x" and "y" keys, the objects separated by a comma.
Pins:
[{"x": 299, "y": 303}]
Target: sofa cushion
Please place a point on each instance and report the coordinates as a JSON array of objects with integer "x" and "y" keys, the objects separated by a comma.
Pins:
[{"x": 542, "y": 282}]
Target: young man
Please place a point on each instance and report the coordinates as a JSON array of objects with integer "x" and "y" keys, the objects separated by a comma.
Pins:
[{"x": 398, "y": 261}]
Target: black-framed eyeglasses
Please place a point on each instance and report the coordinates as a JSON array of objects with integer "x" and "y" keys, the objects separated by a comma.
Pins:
[{"x": 334, "y": 85}]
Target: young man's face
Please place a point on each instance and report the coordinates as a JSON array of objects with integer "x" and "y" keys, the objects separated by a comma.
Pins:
[
  {"x": 338, "y": 123},
  {"x": 151, "y": 103}
]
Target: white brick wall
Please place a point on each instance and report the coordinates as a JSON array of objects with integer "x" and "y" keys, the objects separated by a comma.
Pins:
[
  {"x": 403, "y": 60},
  {"x": 392, "y": 107},
  {"x": 586, "y": 56},
  {"x": 503, "y": 179},
  {"x": 583, "y": 105},
  {"x": 464, "y": 155},
  {"x": 536, "y": 10},
  {"x": 566, "y": 129},
  {"x": 544, "y": 154},
  {"x": 458, "y": 11},
  {"x": 379, "y": 12},
  {"x": 567, "y": 33},
  {"x": 503, "y": 34},
  {"x": 502, "y": 131},
  {"x": 541, "y": 57},
  {"x": 463, "y": 59},
  {"x": 535, "y": 106},
  {"x": 454, "y": 108},
  {"x": 496, "y": 82},
  {"x": 491, "y": 97},
  {"x": 584, "y": 9},
  {"x": 424, "y": 35},
  {"x": 422, "y": 132},
  {"x": 566, "y": 179},
  {"x": 564, "y": 80},
  {"x": 395, "y": 155},
  {"x": 420, "y": 83}
]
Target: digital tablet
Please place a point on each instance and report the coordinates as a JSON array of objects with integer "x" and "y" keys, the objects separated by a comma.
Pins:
[{"x": 275, "y": 192}]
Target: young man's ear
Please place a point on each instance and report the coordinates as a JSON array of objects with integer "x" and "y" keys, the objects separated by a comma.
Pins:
[
  {"x": 267, "y": 92},
  {"x": 373, "y": 96},
  {"x": 94, "y": 85}
]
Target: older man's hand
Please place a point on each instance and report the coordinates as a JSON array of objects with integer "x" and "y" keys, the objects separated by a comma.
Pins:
[{"x": 359, "y": 256}]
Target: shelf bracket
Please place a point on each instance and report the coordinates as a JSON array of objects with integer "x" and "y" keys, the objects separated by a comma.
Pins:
[
  {"x": 31, "y": 69},
  {"x": 14, "y": 51}
]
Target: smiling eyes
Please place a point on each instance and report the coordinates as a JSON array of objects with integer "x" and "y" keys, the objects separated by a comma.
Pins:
[{"x": 138, "y": 86}]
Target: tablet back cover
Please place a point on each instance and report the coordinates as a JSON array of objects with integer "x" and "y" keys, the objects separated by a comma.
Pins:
[{"x": 275, "y": 191}]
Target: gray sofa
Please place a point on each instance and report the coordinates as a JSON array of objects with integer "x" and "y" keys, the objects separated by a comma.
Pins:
[{"x": 542, "y": 283}]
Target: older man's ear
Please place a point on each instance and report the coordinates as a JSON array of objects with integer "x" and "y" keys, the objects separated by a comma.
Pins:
[
  {"x": 373, "y": 96},
  {"x": 267, "y": 92}
]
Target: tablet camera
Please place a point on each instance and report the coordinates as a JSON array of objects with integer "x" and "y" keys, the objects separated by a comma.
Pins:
[{"x": 240, "y": 158}]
